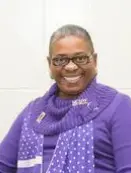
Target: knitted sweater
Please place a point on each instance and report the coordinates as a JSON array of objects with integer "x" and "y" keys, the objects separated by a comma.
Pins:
[{"x": 90, "y": 132}]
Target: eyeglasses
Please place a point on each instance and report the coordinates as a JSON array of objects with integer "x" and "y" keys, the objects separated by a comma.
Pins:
[{"x": 77, "y": 59}]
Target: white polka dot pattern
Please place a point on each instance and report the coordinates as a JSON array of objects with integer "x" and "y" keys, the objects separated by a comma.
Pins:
[
  {"x": 31, "y": 144},
  {"x": 74, "y": 151}
]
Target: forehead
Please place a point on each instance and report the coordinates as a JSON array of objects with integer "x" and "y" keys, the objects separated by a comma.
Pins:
[{"x": 70, "y": 45}]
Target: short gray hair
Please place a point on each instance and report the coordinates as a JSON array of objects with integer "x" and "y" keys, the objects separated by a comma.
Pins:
[{"x": 67, "y": 30}]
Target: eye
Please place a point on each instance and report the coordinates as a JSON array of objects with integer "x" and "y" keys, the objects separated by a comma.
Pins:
[
  {"x": 59, "y": 61},
  {"x": 82, "y": 59}
]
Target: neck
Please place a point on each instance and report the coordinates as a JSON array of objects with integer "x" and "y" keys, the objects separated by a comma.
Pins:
[{"x": 67, "y": 95}]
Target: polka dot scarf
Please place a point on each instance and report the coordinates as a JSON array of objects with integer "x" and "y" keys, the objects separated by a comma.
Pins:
[{"x": 74, "y": 151}]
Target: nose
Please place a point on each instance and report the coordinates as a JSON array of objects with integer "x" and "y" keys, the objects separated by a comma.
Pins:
[{"x": 71, "y": 66}]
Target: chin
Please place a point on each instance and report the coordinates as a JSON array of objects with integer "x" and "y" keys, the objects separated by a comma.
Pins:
[{"x": 72, "y": 91}]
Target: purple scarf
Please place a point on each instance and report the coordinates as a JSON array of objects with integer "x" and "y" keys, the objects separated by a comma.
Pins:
[{"x": 74, "y": 150}]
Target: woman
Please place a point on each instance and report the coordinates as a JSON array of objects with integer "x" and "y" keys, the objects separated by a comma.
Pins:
[{"x": 79, "y": 125}]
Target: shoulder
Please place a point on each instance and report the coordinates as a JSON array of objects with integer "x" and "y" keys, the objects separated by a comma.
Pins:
[
  {"x": 123, "y": 109},
  {"x": 118, "y": 96},
  {"x": 118, "y": 112},
  {"x": 119, "y": 108},
  {"x": 119, "y": 101},
  {"x": 33, "y": 106}
]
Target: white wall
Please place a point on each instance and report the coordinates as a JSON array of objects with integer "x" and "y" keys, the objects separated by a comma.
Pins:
[
  {"x": 25, "y": 27},
  {"x": 23, "y": 68}
]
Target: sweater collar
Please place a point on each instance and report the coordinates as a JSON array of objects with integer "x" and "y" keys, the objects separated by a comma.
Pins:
[{"x": 73, "y": 112}]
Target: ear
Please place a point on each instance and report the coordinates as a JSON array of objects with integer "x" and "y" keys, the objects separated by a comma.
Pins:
[
  {"x": 95, "y": 58},
  {"x": 51, "y": 76},
  {"x": 49, "y": 60},
  {"x": 49, "y": 63}
]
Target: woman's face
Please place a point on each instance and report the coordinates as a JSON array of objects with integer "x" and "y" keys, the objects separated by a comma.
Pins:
[{"x": 72, "y": 78}]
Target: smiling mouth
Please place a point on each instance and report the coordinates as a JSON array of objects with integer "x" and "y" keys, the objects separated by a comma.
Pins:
[{"x": 72, "y": 79}]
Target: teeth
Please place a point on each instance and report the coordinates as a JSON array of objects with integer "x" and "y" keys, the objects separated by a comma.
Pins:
[{"x": 72, "y": 79}]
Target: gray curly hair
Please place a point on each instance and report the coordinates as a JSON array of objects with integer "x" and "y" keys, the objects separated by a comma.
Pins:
[{"x": 68, "y": 30}]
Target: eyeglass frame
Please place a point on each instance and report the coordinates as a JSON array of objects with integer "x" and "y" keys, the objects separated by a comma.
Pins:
[{"x": 72, "y": 58}]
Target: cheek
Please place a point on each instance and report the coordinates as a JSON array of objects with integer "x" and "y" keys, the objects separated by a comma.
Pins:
[
  {"x": 89, "y": 72},
  {"x": 55, "y": 71},
  {"x": 88, "y": 68}
]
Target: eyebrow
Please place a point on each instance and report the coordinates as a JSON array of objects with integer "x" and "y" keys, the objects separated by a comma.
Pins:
[{"x": 77, "y": 53}]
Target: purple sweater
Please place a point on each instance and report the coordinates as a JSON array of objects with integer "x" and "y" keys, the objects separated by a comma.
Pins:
[{"x": 112, "y": 126}]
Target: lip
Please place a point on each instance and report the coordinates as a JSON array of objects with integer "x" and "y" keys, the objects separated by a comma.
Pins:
[{"x": 72, "y": 79}]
